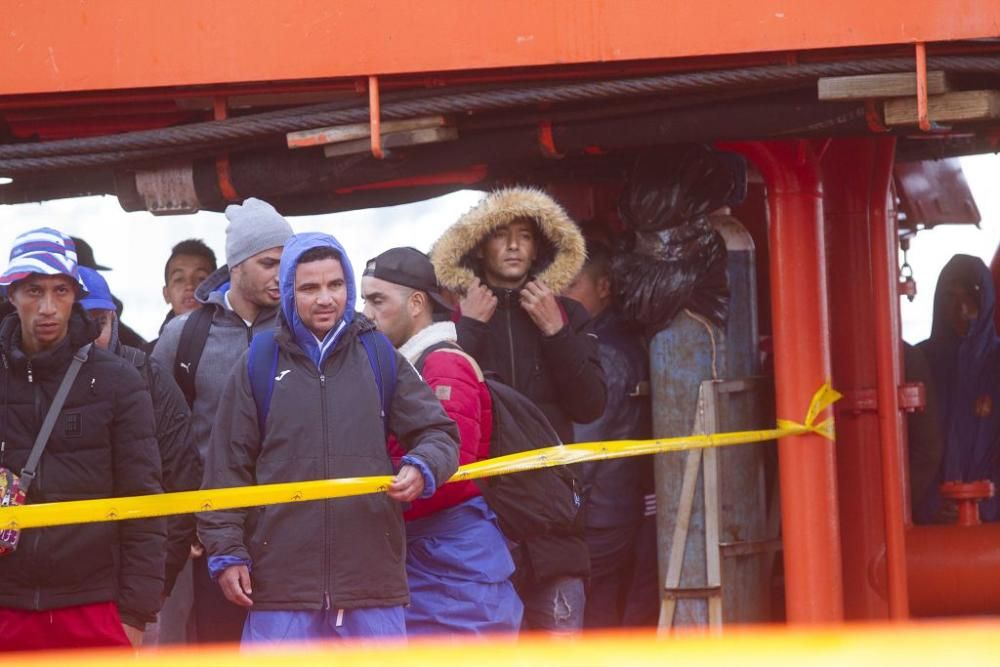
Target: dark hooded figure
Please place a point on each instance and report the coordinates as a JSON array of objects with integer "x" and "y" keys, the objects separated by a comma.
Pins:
[{"x": 963, "y": 353}]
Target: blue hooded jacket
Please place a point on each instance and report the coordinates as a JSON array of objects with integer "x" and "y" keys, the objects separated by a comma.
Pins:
[
  {"x": 966, "y": 373},
  {"x": 318, "y": 351},
  {"x": 297, "y": 246}
]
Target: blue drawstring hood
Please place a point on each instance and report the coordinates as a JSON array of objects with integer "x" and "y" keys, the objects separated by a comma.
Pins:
[
  {"x": 966, "y": 373},
  {"x": 297, "y": 246}
]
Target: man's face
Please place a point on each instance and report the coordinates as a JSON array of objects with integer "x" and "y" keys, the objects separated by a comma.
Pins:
[
  {"x": 105, "y": 318},
  {"x": 962, "y": 306},
  {"x": 508, "y": 254},
  {"x": 592, "y": 292},
  {"x": 184, "y": 274},
  {"x": 44, "y": 305},
  {"x": 256, "y": 278},
  {"x": 320, "y": 295},
  {"x": 387, "y": 304}
]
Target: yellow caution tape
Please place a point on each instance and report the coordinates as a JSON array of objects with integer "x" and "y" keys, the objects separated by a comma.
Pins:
[{"x": 208, "y": 500}]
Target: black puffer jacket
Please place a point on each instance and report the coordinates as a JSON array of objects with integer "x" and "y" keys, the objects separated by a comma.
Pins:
[
  {"x": 182, "y": 467},
  {"x": 562, "y": 374},
  {"x": 102, "y": 446}
]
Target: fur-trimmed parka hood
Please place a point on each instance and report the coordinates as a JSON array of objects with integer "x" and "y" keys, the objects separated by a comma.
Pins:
[{"x": 561, "y": 258}]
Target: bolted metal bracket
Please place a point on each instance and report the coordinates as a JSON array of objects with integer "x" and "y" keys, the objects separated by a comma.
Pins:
[
  {"x": 856, "y": 401},
  {"x": 912, "y": 398}
]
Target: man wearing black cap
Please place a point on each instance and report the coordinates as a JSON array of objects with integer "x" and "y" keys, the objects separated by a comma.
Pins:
[{"x": 457, "y": 561}]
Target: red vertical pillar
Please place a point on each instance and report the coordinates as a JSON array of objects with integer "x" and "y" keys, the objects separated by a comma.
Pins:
[
  {"x": 848, "y": 167},
  {"x": 809, "y": 509}
]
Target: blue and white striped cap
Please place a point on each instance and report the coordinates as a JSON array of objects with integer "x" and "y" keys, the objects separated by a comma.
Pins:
[{"x": 45, "y": 251}]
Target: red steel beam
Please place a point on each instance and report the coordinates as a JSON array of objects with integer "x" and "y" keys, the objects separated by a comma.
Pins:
[
  {"x": 89, "y": 45},
  {"x": 885, "y": 285},
  {"x": 809, "y": 506}
]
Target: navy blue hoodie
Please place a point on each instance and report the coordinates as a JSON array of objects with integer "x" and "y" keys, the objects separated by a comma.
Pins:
[{"x": 966, "y": 374}]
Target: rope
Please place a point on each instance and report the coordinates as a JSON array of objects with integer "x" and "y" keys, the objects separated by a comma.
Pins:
[{"x": 17, "y": 158}]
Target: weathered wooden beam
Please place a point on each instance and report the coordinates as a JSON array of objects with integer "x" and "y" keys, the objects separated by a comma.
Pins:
[
  {"x": 963, "y": 106},
  {"x": 867, "y": 86},
  {"x": 431, "y": 135},
  {"x": 340, "y": 133}
]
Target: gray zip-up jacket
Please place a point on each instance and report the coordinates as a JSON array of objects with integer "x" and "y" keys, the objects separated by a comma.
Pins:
[
  {"x": 322, "y": 423},
  {"x": 228, "y": 339}
]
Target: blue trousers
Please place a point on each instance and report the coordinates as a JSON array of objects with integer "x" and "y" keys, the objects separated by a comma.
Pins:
[
  {"x": 271, "y": 627},
  {"x": 459, "y": 568}
]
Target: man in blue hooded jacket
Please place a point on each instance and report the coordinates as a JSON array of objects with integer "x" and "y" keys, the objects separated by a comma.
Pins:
[
  {"x": 963, "y": 354},
  {"x": 331, "y": 568}
]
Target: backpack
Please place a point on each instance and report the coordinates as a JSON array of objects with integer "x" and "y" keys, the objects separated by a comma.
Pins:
[
  {"x": 189, "y": 349},
  {"x": 533, "y": 503},
  {"x": 262, "y": 365}
]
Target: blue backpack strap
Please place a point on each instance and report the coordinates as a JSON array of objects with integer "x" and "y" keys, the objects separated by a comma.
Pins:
[
  {"x": 262, "y": 364},
  {"x": 382, "y": 357}
]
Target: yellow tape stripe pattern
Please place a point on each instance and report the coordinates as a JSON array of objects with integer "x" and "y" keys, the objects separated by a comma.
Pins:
[{"x": 207, "y": 500}]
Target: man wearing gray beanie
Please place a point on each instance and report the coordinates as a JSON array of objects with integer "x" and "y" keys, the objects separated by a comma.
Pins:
[{"x": 238, "y": 300}]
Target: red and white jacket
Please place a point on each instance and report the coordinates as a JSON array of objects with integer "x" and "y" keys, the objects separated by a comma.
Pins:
[{"x": 458, "y": 383}]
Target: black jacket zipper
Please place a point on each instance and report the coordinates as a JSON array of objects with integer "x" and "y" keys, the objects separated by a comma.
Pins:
[
  {"x": 507, "y": 301},
  {"x": 326, "y": 504},
  {"x": 37, "y": 483}
]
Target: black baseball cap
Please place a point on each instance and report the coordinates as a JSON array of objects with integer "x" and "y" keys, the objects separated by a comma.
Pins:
[
  {"x": 85, "y": 255},
  {"x": 410, "y": 268}
]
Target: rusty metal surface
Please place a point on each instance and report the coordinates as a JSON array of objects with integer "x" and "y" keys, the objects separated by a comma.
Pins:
[
  {"x": 684, "y": 359},
  {"x": 934, "y": 192}
]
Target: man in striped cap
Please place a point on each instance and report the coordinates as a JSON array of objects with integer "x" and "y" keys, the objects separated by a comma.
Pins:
[
  {"x": 45, "y": 261},
  {"x": 78, "y": 585}
]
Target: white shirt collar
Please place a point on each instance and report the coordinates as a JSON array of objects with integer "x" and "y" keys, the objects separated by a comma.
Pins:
[{"x": 229, "y": 305}]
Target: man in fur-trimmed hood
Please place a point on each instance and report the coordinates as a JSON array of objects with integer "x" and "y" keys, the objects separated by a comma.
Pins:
[{"x": 507, "y": 259}]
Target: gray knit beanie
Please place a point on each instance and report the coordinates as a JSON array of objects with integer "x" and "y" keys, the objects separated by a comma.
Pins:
[{"x": 253, "y": 227}]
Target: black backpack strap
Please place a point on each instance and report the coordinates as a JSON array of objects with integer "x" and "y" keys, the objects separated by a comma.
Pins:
[
  {"x": 189, "y": 349},
  {"x": 422, "y": 359}
]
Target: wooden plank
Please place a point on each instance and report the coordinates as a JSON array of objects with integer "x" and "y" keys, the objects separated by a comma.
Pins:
[
  {"x": 713, "y": 566},
  {"x": 966, "y": 105},
  {"x": 394, "y": 140},
  {"x": 867, "y": 86},
  {"x": 678, "y": 542},
  {"x": 340, "y": 133}
]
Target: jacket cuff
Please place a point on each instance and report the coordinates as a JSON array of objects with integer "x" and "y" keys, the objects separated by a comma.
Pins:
[
  {"x": 473, "y": 323},
  {"x": 557, "y": 335},
  {"x": 430, "y": 484},
  {"x": 218, "y": 564}
]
